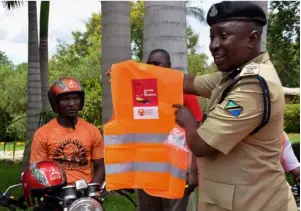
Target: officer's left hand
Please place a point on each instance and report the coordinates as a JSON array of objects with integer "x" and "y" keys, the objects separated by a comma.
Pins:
[{"x": 184, "y": 118}]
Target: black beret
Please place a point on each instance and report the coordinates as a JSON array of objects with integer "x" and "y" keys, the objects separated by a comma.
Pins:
[{"x": 236, "y": 10}]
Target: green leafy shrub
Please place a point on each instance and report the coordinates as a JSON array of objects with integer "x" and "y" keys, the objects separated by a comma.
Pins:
[
  {"x": 296, "y": 99},
  {"x": 292, "y": 118},
  {"x": 92, "y": 111},
  {"x": 17, "y": 128}
]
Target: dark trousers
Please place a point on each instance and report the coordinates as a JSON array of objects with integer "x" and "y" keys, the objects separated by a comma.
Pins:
[{"x": 151, "y": 203}]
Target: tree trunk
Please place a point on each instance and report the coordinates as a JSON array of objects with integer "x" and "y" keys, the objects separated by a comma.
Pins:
[
  {"x": 44, "y": 20},
  {"x": 34, "y": 80},
  {"x": 263, "y": 43},
  {"x": 165, "y": 27},
  {"x": 116, "y": 44}
]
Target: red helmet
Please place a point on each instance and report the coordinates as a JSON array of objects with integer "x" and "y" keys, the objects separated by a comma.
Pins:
[
  {"x": 63, "y": 86},
  {"x": 41, "y": 177}
]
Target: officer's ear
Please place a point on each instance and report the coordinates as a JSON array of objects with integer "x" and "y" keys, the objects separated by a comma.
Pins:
[{"x": 254, "y": 38}]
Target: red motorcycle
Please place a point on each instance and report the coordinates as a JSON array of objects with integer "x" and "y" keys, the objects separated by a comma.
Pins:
[{"x": 45, "y": 188}]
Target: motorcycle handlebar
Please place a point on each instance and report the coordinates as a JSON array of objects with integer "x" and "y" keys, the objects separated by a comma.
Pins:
[{"x": 8, "y": 201}]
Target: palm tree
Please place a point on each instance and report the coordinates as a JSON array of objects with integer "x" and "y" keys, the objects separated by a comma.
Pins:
[
  {"x": 264, "y": 6},
  {"x": 116, "y": 44},
  {"x": 12, "y": 4},
  {"x": 137, "y": 28},
  {"x": 43, "y": 46},
  {"x": 44, "y": 20},
  {"x": 195, "y": 12},
  {"x": 34, "y": 102},
  {"x": 34, "y": 98},
  {"x": 165, "y": 27}
]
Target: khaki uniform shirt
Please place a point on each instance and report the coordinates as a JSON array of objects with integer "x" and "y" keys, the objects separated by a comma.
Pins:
[{"x": 245, "y": 173}]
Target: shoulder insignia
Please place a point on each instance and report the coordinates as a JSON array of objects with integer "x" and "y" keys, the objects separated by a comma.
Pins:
[
  {"x": 251, "y": 69},
  {"x": 233, "y": 108}
]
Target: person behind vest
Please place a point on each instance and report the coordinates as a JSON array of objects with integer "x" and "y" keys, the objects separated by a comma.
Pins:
[
  {"x": 160, "y": 57},
  {"x": 238, "y": 144},
  {"x": 68, "y": 139}
]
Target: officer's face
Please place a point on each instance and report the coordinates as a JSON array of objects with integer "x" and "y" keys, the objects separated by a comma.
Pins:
[
  {"x": 230, "y": 44},
  {"x": 158, "y": 59},
  {"x": 69, "y": 105}
]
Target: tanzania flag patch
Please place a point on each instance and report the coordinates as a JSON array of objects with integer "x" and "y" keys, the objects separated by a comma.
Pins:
[{"x": 233, "y": 108}]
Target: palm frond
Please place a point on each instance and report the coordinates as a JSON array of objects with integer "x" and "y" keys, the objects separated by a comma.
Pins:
[
  {"x": 196, "y": 13},
  {"x": 12, "y": 4}
]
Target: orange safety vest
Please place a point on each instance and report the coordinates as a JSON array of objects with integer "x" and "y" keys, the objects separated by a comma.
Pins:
[{"x": 135, "y": 155}]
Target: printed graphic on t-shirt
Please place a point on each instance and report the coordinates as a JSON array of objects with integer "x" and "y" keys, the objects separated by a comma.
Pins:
[{"x": 71, "y": 154}]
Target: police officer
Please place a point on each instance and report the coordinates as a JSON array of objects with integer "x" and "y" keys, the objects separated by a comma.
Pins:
[{"x": 239, "y": 143}]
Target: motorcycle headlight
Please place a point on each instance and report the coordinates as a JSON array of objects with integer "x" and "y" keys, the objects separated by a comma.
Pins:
[{"x": 85, "y": 204}]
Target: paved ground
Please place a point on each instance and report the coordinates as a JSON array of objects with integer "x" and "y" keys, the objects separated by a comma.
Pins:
[{"x": 8, "y": 155}]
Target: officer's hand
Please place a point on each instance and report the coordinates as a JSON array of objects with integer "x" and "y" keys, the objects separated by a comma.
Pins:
[{"x": 183, "y": 117}]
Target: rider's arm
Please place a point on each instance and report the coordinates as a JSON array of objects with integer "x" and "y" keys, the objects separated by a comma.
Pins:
[
  {"x": 38, "y": 148},
  {"x": 97, "y": 158},
  {"x": 99, "y": 171}
]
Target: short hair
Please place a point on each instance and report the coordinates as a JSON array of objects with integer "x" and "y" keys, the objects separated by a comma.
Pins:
[{"x": 164, "y": 52}]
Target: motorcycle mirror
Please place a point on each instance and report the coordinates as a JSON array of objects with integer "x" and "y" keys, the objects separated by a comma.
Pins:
[{"x": 21, "y": 176}]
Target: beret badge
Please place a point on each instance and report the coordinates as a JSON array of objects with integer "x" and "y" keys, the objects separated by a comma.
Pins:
[{"x": 213, "y": 11}]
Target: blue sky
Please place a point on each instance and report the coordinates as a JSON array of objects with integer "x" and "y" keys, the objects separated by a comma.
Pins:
[{"x": 66, "y": 16}]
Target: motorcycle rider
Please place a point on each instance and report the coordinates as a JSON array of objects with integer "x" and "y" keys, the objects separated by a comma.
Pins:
[{"x": 68, "y": 139}]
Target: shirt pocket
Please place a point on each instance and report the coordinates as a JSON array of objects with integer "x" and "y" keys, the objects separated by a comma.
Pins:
[{"x": 219, "y": 194}]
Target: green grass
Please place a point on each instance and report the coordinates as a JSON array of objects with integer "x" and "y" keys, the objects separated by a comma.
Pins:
[
  {"x": 294, "y": 137},
  {"x": 10, "y": 146},
  {"x": 10, "y": 174}
]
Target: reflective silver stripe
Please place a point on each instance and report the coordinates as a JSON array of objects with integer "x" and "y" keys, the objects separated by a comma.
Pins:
[
  {"x": 134, "y": 138},
  {"x": 145, "y": 167}
]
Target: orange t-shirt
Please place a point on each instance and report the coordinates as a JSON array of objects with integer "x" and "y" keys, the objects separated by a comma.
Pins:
[{"x": 73, "y": 149}]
